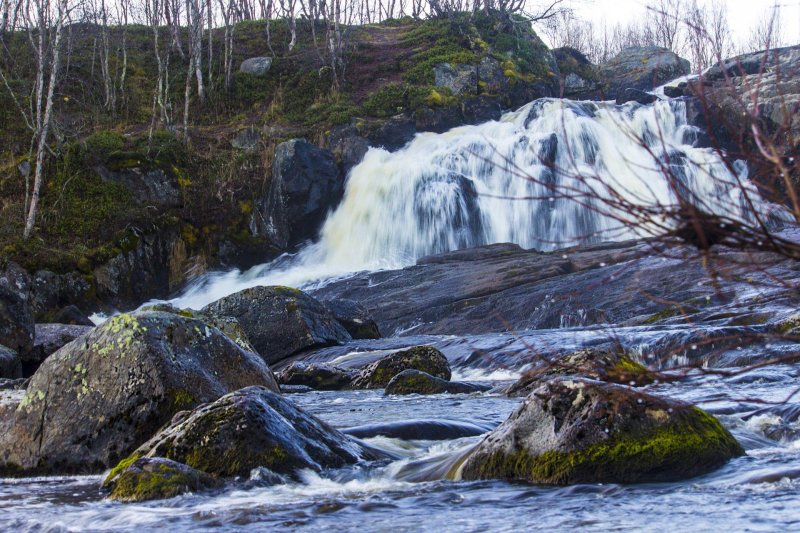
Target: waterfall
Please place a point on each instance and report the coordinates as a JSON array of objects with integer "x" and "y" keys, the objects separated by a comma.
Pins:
[{"x": 549, "y": 175}]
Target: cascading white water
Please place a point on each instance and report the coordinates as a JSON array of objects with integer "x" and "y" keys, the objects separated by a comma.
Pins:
[{"x": 546, "y": 176}]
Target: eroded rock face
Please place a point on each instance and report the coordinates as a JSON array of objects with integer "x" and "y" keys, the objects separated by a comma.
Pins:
[
  {"x": 155, "y": 479},
  {"x": 306, "y": 184},
  {"x": 280, "y": 321},
  {"x": 643, "y": 68},
  {"x": 99, "y": 397},
  {"x": 579, "y": 431},
  {"x": 251, "y": 428},
  {"x": 611, "y": 366},
  {"x": 417, "y": 382},
  {"x": 16, "y": 314},
  {"x": 424, "y": 358},
  {"x": 318, "y": 376}
]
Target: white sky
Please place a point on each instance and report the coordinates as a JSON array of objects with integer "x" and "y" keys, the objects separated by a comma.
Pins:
[{"x": 742, "y": 14}]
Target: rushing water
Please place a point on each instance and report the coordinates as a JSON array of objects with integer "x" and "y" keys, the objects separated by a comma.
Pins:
[{"x": 549, "y": 175}]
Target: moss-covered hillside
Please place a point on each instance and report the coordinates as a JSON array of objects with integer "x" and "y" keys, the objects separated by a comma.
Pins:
[{"x": 87, "y": 219}]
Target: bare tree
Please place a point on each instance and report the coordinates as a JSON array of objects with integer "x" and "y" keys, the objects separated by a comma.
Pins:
[{"x": 767, "y": 32}]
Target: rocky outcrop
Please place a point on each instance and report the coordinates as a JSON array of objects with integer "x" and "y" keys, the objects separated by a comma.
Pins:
[
  {"x": 149, "y": 184},
  {"x": 257, "y": 66},
  {"x": 49, "y": 339},
  {"x": 155, "y": 479},
  {"x": 612, "y": 366},
  {"x": 424, "y": 358},
  {"x": 574, "y": 431},
  {"x": 317, "y": 376},
  {"x": 306, "y": 184},
  {"x": 355, "y": 318},
  {"x": 280, "y": 321},
  {"x": 642, "y": 68},
  {"x": 53, "y": 293},
  {"x": 10, "y": 365},
  {"x": 417, "y": 382},
  {"x": 459, "y": 79},
  {"x": 16, "y": 314},
  {"x": 579, "y": 78},
  {"x": 251, "y": 428},
  {"x": 96, "y": 399}
]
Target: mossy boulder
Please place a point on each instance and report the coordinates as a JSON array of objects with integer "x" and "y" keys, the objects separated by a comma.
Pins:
[
  {"x": 251, "y": 428},
  {"x": 355, "y": 318},
  {"x": 424, "y": 358},
  {"x": 16, "y": 315},
  {"x": 319, "y": 376},
  {"x": 280, "y": 321},
  {"x": 99, "y": 397},
  {"x": 417, "y": 382},
  {"x": 612, "y": 366},
  {"x": 156, "y": 479},
  {"x": 581, "y": 431}
]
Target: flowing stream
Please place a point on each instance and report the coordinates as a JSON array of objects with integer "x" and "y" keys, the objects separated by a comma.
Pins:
[{"x": 552, "y": 174}]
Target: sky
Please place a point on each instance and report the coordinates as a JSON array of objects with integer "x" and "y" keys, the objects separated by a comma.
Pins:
[{"x": 742, "y": 14}]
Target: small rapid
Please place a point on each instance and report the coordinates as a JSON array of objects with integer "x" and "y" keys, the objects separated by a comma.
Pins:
[{"x": 553, "y": 174}]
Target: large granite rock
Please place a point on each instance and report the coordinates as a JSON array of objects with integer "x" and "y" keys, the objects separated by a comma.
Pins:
[
  {"x": 16, "y": 314},
  {"x": 280, "y": 321},
  {"x": 643, "y": 68},
  {"x": 99, "y": 397},
  {"x": 424, "y": 358},
  {"x": 306, "y": 184},
  {"x": 575, "y": 431},
  {"x": 251, "y": 428}
]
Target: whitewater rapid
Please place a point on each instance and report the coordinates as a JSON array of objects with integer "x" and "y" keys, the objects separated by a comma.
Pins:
[{"x": 552, "y": 174}]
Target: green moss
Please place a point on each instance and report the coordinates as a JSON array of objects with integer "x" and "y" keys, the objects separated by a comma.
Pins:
[
  {"x": 181, "y": 399},
  {"x": 167, "y": 482},
  {"x": 122, "y": 465},
  {"x": 102, "y": 143},
  {"x": 626, "y": 370},
  {"x": 687, "y": 447}
]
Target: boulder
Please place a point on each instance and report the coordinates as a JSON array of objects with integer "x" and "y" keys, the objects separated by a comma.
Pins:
[
  {"x": 49, "y": 339},
  {"x": 71, "y": 315},
  {"x": 393, "y": 133},
  {"x": 246, "y": 139},
  {"x": 421, "y": 429},
  {"x": 348, "y": 146},
  {"x": 480, "y": 109},
  {"x": 257, "y": 66},
  {"x": 155, "y": 479},
  {"x": 306, "y": 184},
  {"x": 280, "y": 321},
  {"x": 250, "y": 428},
  {"x": 16, "y": 314},
  {"x": 99, "y": 397},
  {"x": 355, "y": 318},
  {"x": 52, "y": 294},
  {"x": 579, "y": 77},
  {"x": 635, "y": 95},
  {"x": 424, "y": 358},
  {"x": 318, "y": 376},
  {"x": 417, "y": 382},
  {"x": 611, "y": 366},
  {"x": 579, "y": 431},
  {"x": 148, "y": 183},
  {"x": 643, "y": 68},
  {"x": 10, "y": 366}
]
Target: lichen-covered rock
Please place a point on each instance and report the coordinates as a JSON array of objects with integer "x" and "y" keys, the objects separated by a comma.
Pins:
[
  {"x": 49, "y": 339},
  {"x": 424, "y": 358},
  {"x": 280, "y": 321},
  {"x": 250, "y": 428},
  {"x": 643, "y": 68},
  {"x": 580, "y": 431},
  {"x": 10, "y": 366},
  {"x": 355, "y": 318},
  {"x": 318, "y": 376},
  {"x": 99, "y": 397},
  {"x": 612, "y": 366},
  {"x": 16, "y": 315},
  {"x": 155, "y": 479},
  {"x": 417, "y": 382},
  {"x": 257, "y": 66}
]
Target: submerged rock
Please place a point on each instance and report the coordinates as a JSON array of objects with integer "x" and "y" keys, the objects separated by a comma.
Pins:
[
  {"x": 280, "y": 321},
  {"x": 155, "y": 479},
  {"x": 318, "y": 376},
  {"x": 579, "y": 431},
  {"x": 417, "y": 382},
  {"x": 419, "y": 430},
  {"x": 98, "y": 398},
  {"x": 355, "y": 318},
  {"x": 603, "y": 365},
  {"x": 424, "y": 358},
  {"x": 250, "y": 428}
]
